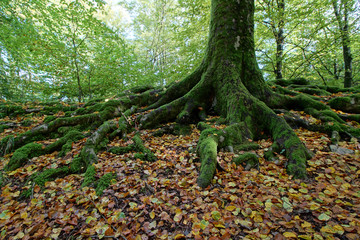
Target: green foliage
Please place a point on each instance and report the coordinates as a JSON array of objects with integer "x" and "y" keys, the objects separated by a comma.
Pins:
[
  {"x": 84, "y": 49},
  {"x": 312, "y": 39}
]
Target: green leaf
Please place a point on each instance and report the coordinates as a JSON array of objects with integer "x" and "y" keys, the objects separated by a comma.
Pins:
[
  {"x": 216, "y": 215},
  {"x": 324, "y": 217}
]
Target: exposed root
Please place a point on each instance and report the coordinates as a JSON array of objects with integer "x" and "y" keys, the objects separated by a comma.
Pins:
[
  {"x": 179, "y": 89},
  {"x": 143, "y": 153},
  {"x": 188, "y": 108},
  {"x": 210, "y": 141},
  {"x": 248, "y": 160}
]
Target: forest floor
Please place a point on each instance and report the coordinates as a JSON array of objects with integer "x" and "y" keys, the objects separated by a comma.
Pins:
[{"x": 161, "y": 199}]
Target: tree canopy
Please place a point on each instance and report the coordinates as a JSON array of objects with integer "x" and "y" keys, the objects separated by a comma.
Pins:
[{"x": 72, "y": 49}]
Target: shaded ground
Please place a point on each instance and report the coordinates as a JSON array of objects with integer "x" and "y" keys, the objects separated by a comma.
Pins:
[{"x": 161, "y": 200}]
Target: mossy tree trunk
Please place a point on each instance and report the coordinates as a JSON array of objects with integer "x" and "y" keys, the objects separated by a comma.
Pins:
[{"x": 229, "y": 81}]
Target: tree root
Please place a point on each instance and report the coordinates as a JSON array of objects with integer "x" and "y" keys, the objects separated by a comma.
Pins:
[
  {"x": 179, "y": 89},
  {"x": 210, "y": 141},
  {"x": 143, "y": 153}
]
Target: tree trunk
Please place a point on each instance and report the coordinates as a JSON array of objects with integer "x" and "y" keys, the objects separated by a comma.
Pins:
[
  {"x": 345, "y": 40},
  {"x": 229, "y": 81},
  {"x": 279, "y": 37}
]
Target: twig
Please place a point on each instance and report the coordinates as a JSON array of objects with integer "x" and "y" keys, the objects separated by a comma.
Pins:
[
  {"x": 128, "y": 121},
  {"x": 32, "y": 190}
]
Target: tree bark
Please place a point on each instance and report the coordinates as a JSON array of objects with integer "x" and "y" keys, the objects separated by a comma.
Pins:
[
  {"x": 230, "y": 83},
  {"x": 279, "y": 37},
  {"x": 345, "y": 39}
]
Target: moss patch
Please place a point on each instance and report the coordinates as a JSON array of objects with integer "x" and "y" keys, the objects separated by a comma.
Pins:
[
  {"x": 248, "y": 160},
  {"x": 23, "y": 154},
  {"x": 89, "y": 178},
  {"x": 104, "y": 183},
  {"x": 349, "y": 104}
]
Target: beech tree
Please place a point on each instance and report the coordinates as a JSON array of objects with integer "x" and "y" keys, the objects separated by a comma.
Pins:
[
  {"x": 342, "y": 17},
  {"x": 228, "y": 83}
]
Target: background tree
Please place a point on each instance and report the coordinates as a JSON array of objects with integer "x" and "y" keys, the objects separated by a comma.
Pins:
[{"x": 341, "y": 11}]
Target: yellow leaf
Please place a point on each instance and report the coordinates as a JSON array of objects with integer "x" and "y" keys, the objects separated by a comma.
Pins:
[
  {"x": 330, "y": 190},
  {"x": 339, "y": 229},
  {"x": 179, "y": 237},
  {"x": 23, "y": 215},
  {"x": 345, "y": 186},
  {"x": 303, "y": 190},
  {"x": 203, "y": 224},
  {"x": 268, "y": 205},
  {"x": 258, "y": 218},
  {"x": 152, "y": 215},
  {"x": 306, "y": 224},
  {"x": 178, "y": 217},
  {"x": 314, "y": 206},
  {"x": 19, "y": 235},
  {"x": 243, "y": 223},
  {"x": 328, "y": 229},
  {"x": 306, "y": 237},
  {"x": 219, "y": 226},
  {"x": 289, "y": 235},
  {"x": 55, "y": 233},
  {"x": 230, "y": 208}
]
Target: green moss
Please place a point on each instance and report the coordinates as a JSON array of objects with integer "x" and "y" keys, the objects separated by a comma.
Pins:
[
  {"x": 80, "y": 111},
  {"x": 50, "y": 174},
  {"x": 65, "y": 142},
  {"x": 23, "y": 154},
  {"x": 202, "y": 126},
  {"x": 121, "y": 150},
  {"x": 141, "y": 89},
  {"x": 324, "y": 115},
  {"x": 49, "y": 119},
  {"x": 1, "y": 179},
  {"x": 104, "y": 182},
  {"x": 26, "y": 123},
  {"x": 207, "y": 150},
  {"x": 302, "y": 101},
  {"x": 180, "y": 129},
  {"x": 349, "y": 104},
  {"x": 12, "y": 110},
  {"x": 94, "y": 101},
  {"x": 139, "y": 147},
  {"x": 246, "y": 147},
  {"x": 275, "y": 148},
  {"x": 77, "y": 165},
  {"x": 312, "y": 91},
  {"x": 3, "y": 127},
  {"x": 296, "y": 170},
  {"x": 6, "y": 145},
  {"x": 249, "y": 160},
  {"x": 89, "y": 178},
  {"x": 140, "y": 156},
  {"x": 299, "y": 81},
  {"x": 353, "y": 117}
]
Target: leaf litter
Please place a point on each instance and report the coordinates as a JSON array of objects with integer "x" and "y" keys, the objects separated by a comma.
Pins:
[{"x": 161, "y": 200}]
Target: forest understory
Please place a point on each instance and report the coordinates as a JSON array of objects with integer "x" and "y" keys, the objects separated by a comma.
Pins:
[{"x": 95, "y": 179}]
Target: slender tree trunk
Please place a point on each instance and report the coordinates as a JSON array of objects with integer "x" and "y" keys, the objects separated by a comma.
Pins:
[
  {"x": 77, "y": 72},
  {"x": 279, "y": 37},
  {"x": 345, "y": 39}
]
